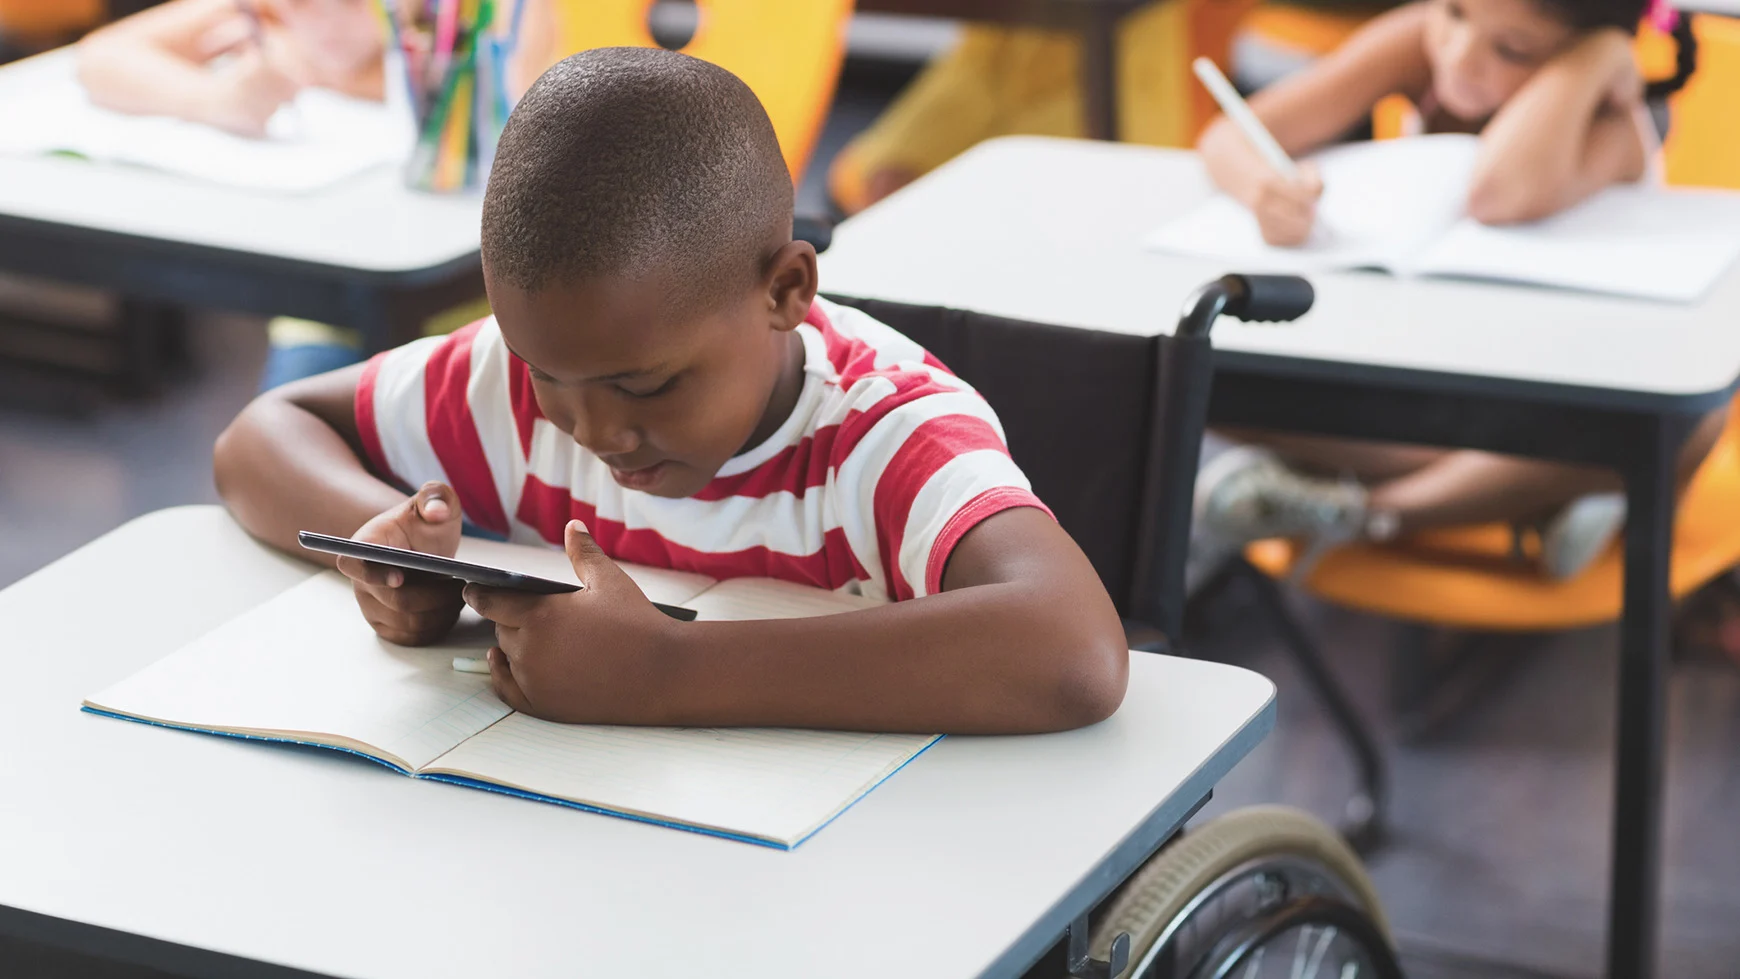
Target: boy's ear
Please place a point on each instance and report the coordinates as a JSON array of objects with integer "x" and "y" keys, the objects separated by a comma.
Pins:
[{"x": 791, "y": 284}]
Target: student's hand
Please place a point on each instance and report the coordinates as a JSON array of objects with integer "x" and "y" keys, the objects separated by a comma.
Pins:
[
  {"x": 406, "y": 607},
  {"x": 1286, "y": 208},
  {"x": 245, "y": 92},
  {"x": 588, "y": 656}
]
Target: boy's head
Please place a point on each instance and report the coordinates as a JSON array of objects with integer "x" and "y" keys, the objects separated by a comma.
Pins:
[{"x": 638, "y": 254}]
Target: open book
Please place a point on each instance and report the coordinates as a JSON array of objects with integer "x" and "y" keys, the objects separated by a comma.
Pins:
[
  {"x": 1399, "y": 205},
  {"x": 305, "y": 667},
  {"x": 320, "y": 138}
]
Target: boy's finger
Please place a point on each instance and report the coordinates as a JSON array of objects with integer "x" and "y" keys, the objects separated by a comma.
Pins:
[
  {"x": 583, "y": 551},
  {"x": 369, "y": 573},
  {"x": 507, "y": 688},
  {"x": 499, "y": 605},
  {"x": 435, "y": 502}
]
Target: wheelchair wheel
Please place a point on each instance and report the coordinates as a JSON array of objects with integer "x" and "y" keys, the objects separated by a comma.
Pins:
[{"x": 1261, "y": 892}]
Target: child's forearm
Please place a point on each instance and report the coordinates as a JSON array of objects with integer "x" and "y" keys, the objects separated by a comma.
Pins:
[
  {"x": 1554, "y": 144},
  {"x": 126, "y": 75},
  {"x": 992, "y": 659},
  {"x": 281, "y": 469}
]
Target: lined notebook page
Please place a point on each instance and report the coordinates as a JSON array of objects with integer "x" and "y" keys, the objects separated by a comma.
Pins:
[
  {"x": 322, "y": 137},
  {"x": 773, "y": 785},
  {"x": 765, "y": 598},
  {"x": 1648, "y": 242},
  {"x": 307, "y": 667}
]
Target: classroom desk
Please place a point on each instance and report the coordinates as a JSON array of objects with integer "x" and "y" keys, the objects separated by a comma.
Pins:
[
  {"x": 206, "y": 856},
  {"x": 1048, "y": 231},
  {"x": 366, "y": 253}
]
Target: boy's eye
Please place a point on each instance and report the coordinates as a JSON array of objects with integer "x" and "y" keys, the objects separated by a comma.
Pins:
[
  {"x": 643, "y": 391},
  {"x": 538, "y": 375},
  {"x": 1454, "y": 10}
]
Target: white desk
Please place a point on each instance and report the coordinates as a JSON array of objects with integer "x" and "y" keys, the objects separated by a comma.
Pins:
[
  {"x": 365, "y": 252},
  {"x": 967, "y": 863},
  {"x": 1048, "y": 230}
]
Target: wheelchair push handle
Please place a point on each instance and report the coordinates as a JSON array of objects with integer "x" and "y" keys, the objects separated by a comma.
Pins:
[{"x": 1257, "y": 298}]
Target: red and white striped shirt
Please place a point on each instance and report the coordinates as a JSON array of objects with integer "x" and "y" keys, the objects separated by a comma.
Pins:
[{"x": 885, "y": 463}]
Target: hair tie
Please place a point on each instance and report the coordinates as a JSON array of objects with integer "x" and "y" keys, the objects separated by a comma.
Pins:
[{"x": 1662, "y": 16}]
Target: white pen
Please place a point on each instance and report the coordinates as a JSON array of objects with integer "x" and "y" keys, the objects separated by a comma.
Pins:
[
  {"x": 1241, "y": 115},
  {"x": 471, "y": 664}
]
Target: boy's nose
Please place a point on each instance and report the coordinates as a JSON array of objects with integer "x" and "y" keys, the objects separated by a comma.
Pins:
[{"x": 604, "y": 435}]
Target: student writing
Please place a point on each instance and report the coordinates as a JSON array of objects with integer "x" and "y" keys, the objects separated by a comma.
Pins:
[
  {"x": 1552, "y": 90},
  {"x": 232, "y": 63},
  {"x": 660, "y": 369}
]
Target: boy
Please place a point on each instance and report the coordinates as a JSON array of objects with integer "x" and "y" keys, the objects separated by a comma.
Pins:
[{"x": 659, "y": 367}]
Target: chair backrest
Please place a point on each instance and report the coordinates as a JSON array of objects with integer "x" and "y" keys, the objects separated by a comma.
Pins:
[
  {"x": 788, "y": 53},
  {"x": 1703, "y": 143},
  {"x": 1080, "y": 409},
  {"x": 48, "y": 18}
]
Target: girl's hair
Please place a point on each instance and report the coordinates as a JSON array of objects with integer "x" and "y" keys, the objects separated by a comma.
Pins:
[{"x": 1589, "y": 15}]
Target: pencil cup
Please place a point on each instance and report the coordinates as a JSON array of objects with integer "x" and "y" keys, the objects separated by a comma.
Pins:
[{"x": 451, "y": 72}]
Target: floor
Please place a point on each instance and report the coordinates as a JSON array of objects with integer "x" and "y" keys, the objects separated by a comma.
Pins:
[{"x": 1500, "y": 823}]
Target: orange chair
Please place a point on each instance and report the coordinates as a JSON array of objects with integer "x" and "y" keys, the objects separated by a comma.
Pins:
[
  {"x": 49, "y": 20},
  {"x": 789, "y": 54},
  {"x": 1703, "y": 144}
]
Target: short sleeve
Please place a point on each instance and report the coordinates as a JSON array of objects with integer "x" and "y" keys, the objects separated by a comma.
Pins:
[
  {"x": 416, "y": 420},
  {"x": 929, "y": 460}
]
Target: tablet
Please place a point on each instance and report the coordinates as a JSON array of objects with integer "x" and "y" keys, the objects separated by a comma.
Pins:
[{"x": 399, "y": 557}]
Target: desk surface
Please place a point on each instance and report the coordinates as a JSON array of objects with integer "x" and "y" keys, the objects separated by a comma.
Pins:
[
  {"x": 1049, "y": 230},
  {"x": 327, "y": 863},
  {"x": 371, "y": 223}
]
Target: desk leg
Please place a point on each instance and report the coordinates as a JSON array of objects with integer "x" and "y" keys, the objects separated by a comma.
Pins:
[
  {"x": 1635, "y": 886},
  {"x": 1099, "y": 71}
]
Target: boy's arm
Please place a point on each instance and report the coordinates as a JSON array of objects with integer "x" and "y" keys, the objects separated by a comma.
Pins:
[
  {"x": 1572, "y": 130},
  {"x": 1023, "y": 638},
  {"x": 292, "y": 460},
  {"x": 154, "y": 63}
]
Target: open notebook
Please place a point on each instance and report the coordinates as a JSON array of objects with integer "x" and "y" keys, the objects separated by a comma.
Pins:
[
  {"x": 319, "y": 139},
  {"x": 1398, "y": 205},
  {"x": 305, "y": 667}
]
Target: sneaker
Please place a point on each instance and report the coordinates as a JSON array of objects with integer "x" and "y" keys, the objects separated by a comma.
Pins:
[
  {"x": 1247, "y": 494},
  {"x": 1580, "y": 533}
]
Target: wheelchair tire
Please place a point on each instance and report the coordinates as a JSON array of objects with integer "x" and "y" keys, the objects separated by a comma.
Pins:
[{"x": 1294, "y": 849}]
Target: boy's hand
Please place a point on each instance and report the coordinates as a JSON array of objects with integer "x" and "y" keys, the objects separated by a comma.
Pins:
[
  {"x": 587, "y": 656},
  {"x": 246, "y": 92},
  {"x": 1286, "y": 208},
  {"x": 406, "y": 607}
]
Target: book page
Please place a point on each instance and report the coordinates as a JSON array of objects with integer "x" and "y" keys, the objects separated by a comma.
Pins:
[
  {"x": 319, "y": 138},
  {"x": 773, "y": 785},
  {"x": 1645, "y": 242},
  {"x": 765, "y": 598},
  {"x": 1382, "y": 202},
  {"x": 305, "y": 666}
]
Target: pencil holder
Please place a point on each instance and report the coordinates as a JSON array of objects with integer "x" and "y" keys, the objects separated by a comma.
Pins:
[{"x": 450, "y": 66}]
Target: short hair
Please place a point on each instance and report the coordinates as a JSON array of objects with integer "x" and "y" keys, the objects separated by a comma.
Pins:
[{"x": 623, "y": 160}]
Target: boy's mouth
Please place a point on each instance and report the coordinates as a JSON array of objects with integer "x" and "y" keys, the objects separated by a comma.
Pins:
[{"x": 643, "y": 478}]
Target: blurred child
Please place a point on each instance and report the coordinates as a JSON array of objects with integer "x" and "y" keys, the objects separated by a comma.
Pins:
[
  {"x": 660, "y": 384},
  {"x": 1552, "y": 89},
  {"x": 232, "y": 63}
]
